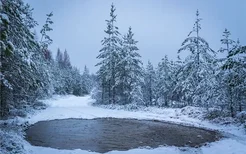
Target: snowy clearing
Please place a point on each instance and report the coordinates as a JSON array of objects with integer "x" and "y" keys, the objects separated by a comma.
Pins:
[{"x": 62, "y": 107}]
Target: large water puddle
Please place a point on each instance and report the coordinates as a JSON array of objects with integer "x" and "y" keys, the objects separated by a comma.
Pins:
[{"x": 107, "y": 134}]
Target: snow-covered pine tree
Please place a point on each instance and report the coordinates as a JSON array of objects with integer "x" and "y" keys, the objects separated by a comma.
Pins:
[
  {"x": 26, "y": 72},
  {"x": 47, "y": 61},
  {"x": 149, "y": 88},
  {"x": 23, "y": 68},
  {"x": 165, "y": 81},
  {"x": 129, "y": 71},
  {"x": 6, "y": 49},
  {"x": 109, "y": 56},
  {"x": 43, "y": 61},
  {"x": 45, "y": 38},
  {"x": 227, "y": 41},
  {"x": 66, "y": 60},
  {"x": 87, "y": 80},
  {"x": 176, "y": 94},
  {"x": 67, "y": 79},
  {"x": 198, "y": 66},
  {"x": 78, "y": 83},
  {"x": 239, "y": 67},
  {"x": 48, "y": 56},
  {"x": 232, "y": 74},
  {"x": 59, "y": 58},
  {"x": 57, "y": 73},
  {"x": 67, "y": 72},
  {"x": 223, "y": 76}
]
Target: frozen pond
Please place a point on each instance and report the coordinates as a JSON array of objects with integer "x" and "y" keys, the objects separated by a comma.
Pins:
[{"x": 107, "y": 134}]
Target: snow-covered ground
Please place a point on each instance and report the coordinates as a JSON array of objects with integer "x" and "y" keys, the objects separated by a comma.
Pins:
[{"x": 62, "y": 107}]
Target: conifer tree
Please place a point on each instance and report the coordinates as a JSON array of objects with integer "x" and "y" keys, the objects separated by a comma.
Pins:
[
  {"x": 150, "y": 85},
  {"x": 87, "y": 80},
  {"x": 232, "y": 74},
  {"x": 165, "y": 81},
  {"x": 109, "y": 56},
  {"x": 27, "y": 84},
  {"x": 66, "y": 60},
  {"x": 198, "y": 65},
  {"x": 129, "y": 70},
  {"x": 45, "y": 39}
]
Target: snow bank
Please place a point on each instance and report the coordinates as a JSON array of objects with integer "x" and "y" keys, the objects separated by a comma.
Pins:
[
  {"x": 11, "y": 137},
  {"x": 194, "y": 112},
  {"x": 226, "y": 146},
  {"x": 69, "y": 101},
  {"x": 161, "y": 150}
]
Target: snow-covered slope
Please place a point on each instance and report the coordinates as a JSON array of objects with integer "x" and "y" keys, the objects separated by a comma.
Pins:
[{"x": 62, "y": 107}]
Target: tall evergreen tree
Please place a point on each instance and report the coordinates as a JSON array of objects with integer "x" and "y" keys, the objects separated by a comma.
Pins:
[
  {"x": 232, "y": 74},
  {"x": 150, "y": 85},
  {"x": 66, "y": 60},
  {"x": 45, "y": 39},
  {"x": 6, "y": 49},
  {"x": 59, "y": 58},
  {"x": 28, "y": 82},
  {"x": 198, "y": 65},
  {"x": 129, "y": 70},
  {"x": 87, "y": 80},
  {"x": 27, "y": 71},
  {"x": 165, "y": 81},
  {"x": 109, "y": 56}
]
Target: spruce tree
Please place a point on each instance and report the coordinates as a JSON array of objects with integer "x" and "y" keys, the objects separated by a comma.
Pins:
[
  {"x": 109, "y": 56},
  {"x": 129, "y": 70},
  {"x": 149, "y": 85},
  {"x": 165, "y": 81},
  {"x": 21, "y": 61},
  {"x": 198, "y": 65},
  {"x": 66, "y": 60},
  {"x": 45, "y": 38},
  {"x": 232, "y": 74},
  {"x": 87, "y": 80}
]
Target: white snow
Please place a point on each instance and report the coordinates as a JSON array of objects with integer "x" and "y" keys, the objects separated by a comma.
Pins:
[
  {"x": 4, "y": 17},
  {"x": 62, "y": 107}
]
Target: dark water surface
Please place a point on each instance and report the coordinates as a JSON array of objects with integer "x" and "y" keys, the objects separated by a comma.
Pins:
[{"x": 107, "y": 134}]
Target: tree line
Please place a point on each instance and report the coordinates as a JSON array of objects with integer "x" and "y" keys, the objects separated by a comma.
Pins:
[
  {"x": 28, "y": 71},
  {"x": 200, "y": 79}
]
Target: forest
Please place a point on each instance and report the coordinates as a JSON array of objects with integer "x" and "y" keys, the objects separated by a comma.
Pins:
[
  {"x": 30, "y": 73},
  {"x": 200, "y": 79},
  {"x": 28, "y": 70}
]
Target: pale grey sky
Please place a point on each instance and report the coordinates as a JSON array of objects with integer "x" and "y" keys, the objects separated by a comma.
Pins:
[{"x": 160, "y": 26}]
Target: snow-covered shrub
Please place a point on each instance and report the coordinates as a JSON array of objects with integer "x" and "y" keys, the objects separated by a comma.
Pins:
[
  {"x": 23, "y": 110},
  {"x": 17, "y": 112},
  {"x": 213, "y": 114},
  {"x": 11, "y": 136},
  {"x": 224, "y": 116},
  {"x": 241, "y": 116},
  {"x": 191, "y": 111},
  {"x": 11, "y": 143},
  {"x": 132, "y": 107},
  {"x": 39, "y": 105},
  {"x": 224, "y": 120}
]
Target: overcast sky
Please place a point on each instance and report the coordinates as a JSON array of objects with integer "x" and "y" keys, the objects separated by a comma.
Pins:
[{"x": 160, "y": 26}]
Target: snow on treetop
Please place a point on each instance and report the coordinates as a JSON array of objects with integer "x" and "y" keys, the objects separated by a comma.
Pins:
[{"x": 4, "y": 16}]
